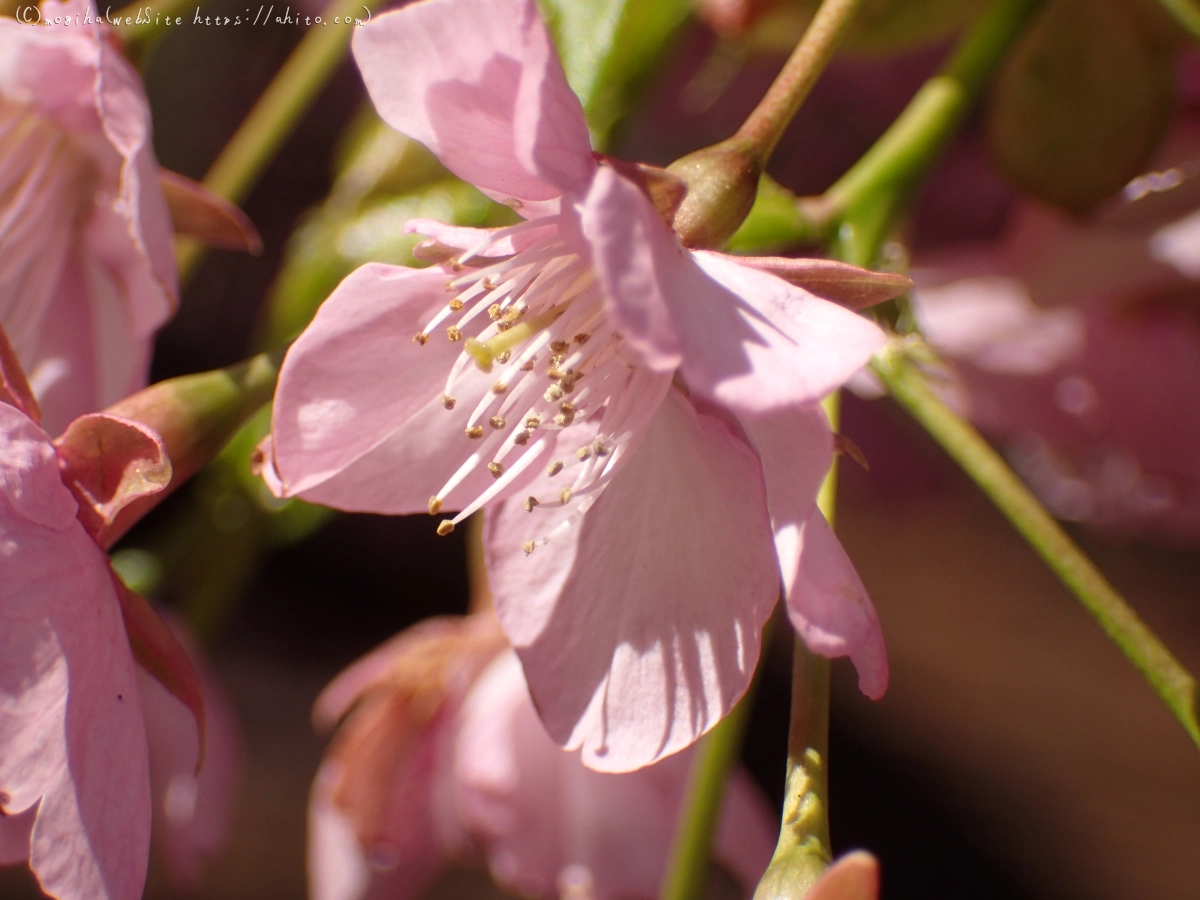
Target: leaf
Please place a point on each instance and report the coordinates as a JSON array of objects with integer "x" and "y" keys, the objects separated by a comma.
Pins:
[
  {"x": 1081, "y": 104},
  {"x": 109, "y": 463},
  {"x": 608, "y": 47}
]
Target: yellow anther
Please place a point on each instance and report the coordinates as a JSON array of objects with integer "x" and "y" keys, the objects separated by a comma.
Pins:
[
  {"x": 530, "y": 503},
  {"x": 582, "y": 338},
  {"x": 499, "y": 387},
  {"x": 559, "y": 346},
  {"x": 497, "y": 469},
  {"x": 565, "y": 495},
  {"x": 448, "y": 401},
  {"x": 454, "y": 333},
  {"x": 494, "y": 312},
  {"x": 555, "y": 468},
  {"x": 528, "y": 367},
  {"x": 601, "y": 448},
  {"x": 475, "y": 432},
  {"x": 554, "y": 393},
  {"x": 533, "y": 421},
  {"x": 435, "y": 505},
  {"x": 584, "y": 453},
  {"x": 522, "y": 438},
  {"x": 456, "y": 304},
  {"x": 504, "y": 357},
  {"x": 528, "y": 547},
  {"x": 445, "y": 527},
  {"x": 420, "y": 338},
  {"x": 488, "y": 284},
  {"x": 497, "y": 422}
]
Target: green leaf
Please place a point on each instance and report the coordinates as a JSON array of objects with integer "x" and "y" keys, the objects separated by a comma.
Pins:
[
  {"x": 1082, "y": 103},
  {"x": 608, "y": 48}
]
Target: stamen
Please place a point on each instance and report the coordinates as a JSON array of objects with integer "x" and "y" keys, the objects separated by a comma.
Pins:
[
  {"x": 435, "y": 505},
  {"x": 454, "y": 333},
  {"x": 475, "y": 432},
  {"x": 420, "y": 338},
  {"x": 497, "y": 422},
  {"x": 528, "y": 547},
  {"x": 445, "y": 527},
  {"x": 497, "y": 469},
  {"x": 555, "y": 468},
  {"x": 499, "y": 387},
  {"x": 565, "y": 496},
  {"x": 448, "y": 401},
  {"x": 554, "y": 393},
  {"x": 530, "y": 503}
]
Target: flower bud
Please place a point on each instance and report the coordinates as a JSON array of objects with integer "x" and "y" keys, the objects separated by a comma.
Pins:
[{"x": 722, "y": 181}]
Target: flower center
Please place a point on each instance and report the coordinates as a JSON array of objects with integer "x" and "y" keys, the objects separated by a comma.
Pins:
[{"x": 536, "y": 321}]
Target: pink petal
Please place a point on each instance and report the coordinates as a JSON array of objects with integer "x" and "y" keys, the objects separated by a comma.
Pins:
[
  {"x": 547, "y": 823},
  {"x": 744, "y": 338},
  {"x": 192, "y": 812},
  {"x": 830, "y": 609},
  {"x": 794, "y": 347},
  {"x": 71, "y": 728},
  {"x": 477, "y": 82},
  {"x": 355, "y": 377},
  {"x": 449, "y": 240},
  {"x": 639, "y": 626}
]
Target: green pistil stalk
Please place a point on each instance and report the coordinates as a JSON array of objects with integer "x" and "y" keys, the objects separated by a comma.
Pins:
[{"x": 484, "y": 352}]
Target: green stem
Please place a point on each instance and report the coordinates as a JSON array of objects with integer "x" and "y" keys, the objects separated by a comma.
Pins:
[
  {"x": 276, "y": 113},
  {"x": 765, "y": 126},
  {"x": 1186, "y": 13},
  {"x": 869, "y": 197},
  {"x": 972, "y": 452},
  {"x": 687, "y": 871}
]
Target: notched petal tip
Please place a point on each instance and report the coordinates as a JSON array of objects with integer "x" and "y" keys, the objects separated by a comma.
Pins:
[
  {"x": 108, "y": 463},
  {"x": 199, "y": 213}
]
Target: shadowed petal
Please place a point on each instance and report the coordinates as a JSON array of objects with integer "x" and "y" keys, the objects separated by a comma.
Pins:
[
  {"x": 478, "y": 83},
  {"x": 15, "y": 831},
  {"x": 639, "y": 625},
  {"x": 548, "y": 824},
  {"x": 744, "y": 338}
]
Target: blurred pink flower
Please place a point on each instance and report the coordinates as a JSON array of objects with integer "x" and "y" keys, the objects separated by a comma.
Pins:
[
  {"x": 442, "y": 757},
  {"x": 593, "y": 366},
  {"x": 75, "y": 769},
  {"x": 1078, "y": 346},
  {"x": 87, "y": 270}
]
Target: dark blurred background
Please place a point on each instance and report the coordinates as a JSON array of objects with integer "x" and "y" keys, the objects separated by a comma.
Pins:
[{"x": 1016, "y": 754}]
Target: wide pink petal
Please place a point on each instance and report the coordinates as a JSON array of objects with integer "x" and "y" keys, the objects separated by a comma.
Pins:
[
  {"x": 744, "y": 338},
  {"x": 477, "y": 83},
  {"x": 548, "y": 824},
  {"x": 192, "y": 811},
  {"x": 355, "y": 377},
  {"x": 830, "y": 609},
  {"x": 639, "y": 625},
  {"x": 71, "y": 730}
]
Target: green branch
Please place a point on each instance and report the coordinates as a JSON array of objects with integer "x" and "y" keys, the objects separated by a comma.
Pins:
[{"x": 971, "y": 451}]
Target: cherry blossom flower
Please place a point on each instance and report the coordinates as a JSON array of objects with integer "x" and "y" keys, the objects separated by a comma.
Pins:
[
  {"x": 1075, "y": 344},
  {"x": 640, "y": 418},
  {"x": 441, "y": 757},
  {"x": 87, "y": 270},
  {"x": 75, "y": 768}
]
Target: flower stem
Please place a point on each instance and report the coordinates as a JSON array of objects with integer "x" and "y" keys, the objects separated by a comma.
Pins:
[
  {"x": 971, "y": 451},
  {"x": 765, "y": 126},
  {"x": 804, "y": 850},
  {"x": 276, "y": 113},
  {"x": 722, "y": 180},
  {"x": 869, "y": 197}
]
